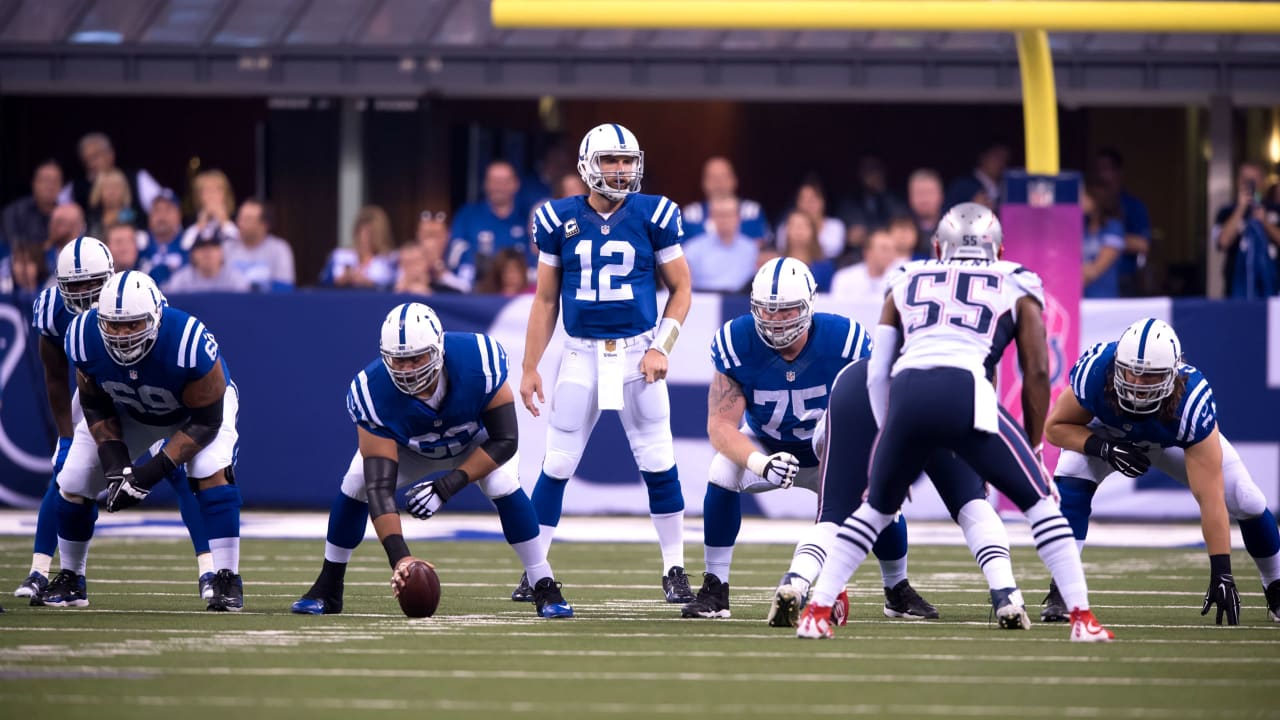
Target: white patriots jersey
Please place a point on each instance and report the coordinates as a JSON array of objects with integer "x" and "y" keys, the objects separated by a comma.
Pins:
[{"x": 961, "y": 313}]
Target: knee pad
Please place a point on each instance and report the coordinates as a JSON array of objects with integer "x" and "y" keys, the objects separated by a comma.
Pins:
[
  {"x": 725, "y": 473},
  {"x": 1244, "y": 500},
  {"x": 654, "y": 456},
  {"x": 560, "y": 464},
  {"x": 499, "y": 483}
]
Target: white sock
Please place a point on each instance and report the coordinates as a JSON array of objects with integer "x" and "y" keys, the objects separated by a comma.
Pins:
[
  {"x": 1057, "y": 548},
  {"x": 1080, "y": 547},
  {"x": 670, "y": 529},
  {"x": 533, "y": 558},
  {"x": 811, "y": 551},
  {"x": 40, "y": 563},
  {"x": 226, "y": 553},
  {"x": 893, "y": 571},
  {"x": 545, "y": 534},
  {"x": 1268, "y": 568},
  {"x": 204, "y": 563},
  {"x": 718, "y": 561},
  {"x": 853, "y": 544},
  {"x": 988, "y": 540},
  {"x": 74, "y": 554},
  {"x": 336, "y": 554}
]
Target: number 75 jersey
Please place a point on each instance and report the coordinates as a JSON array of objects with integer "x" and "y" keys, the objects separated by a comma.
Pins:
[
  {"x": 607, "y": 287},
  {"x": 961, "y": 313}
]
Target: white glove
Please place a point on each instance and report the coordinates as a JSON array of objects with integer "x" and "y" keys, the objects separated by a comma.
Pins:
[
  {"x": 423, "y": 500},
  {"x": 778, "y": 469}
]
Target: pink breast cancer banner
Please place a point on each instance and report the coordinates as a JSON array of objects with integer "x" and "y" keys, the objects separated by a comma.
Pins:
[{"x": 1043, "y": 231}]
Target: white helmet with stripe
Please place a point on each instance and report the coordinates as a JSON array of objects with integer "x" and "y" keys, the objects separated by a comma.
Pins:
[
  {"x": 610, "y": 140},
  {"x": 412, "y": 347},
  {"x": 1146, "y": 365},
  {"x": 84, "y": 264},
  {"x": 781, "y": 285},
  {"x": 129, "y": 298}
]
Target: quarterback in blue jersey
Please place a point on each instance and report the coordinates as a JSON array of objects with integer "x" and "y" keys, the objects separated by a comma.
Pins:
[
  {"x": 435, "y": 402},
  {"x": 597, "y": 257},
  {"x": 83, "y": 267},
  {"x": 150, "y": 377},
  {"x": 776, "y": 366},
  {"x": 1135, "y": 404}
]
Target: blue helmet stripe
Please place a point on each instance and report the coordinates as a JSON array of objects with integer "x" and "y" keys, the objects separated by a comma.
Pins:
[
  {"x": 120, "y": 291},
  {"x": 777, "y": 273},
  {"x": 622, "y": 141},
  {"x": 79, "y": 241},
  {"x": 1142, "y": 342},
  {"x": 404, "y": 314}
]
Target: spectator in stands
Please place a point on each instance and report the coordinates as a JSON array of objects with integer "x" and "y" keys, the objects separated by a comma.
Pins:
[
  {"x": 162, "y": 253},
  {"x": 508, "y": 275},
  {"x": 263, "y": 259},
  {"x": 65, "y": 224},
  {"x": 110, "y": 203},
  {"x": 369, "y": 262},
  {"x": 122, "y": 240},
  {"x": 867, "y": 281},
  {"x": 1103, "y": 244},
  {"x": 722, "y": 258},
  {"x": 97, "y": 156},
  {"x": 208, "y": 271},
  {"x": 719, "y": 182},
  {"x": 216, "y": 203},
  {"x": 811, "y": 200},
  {"x": 902, "y": 228},
  {"x": 1108, "y": 175},
  {"x": 803, "y": 244},
  {"x": 481, "y": 229},
  {"x": 25, "y": 221},
  {"x": 983, "y": 184},
  {"x": 871, "y": 207},
  {"x": 924, "y": 202},
  {"x": 1248, "y": 231},
  {"x": 28, "y": 275},
  {"x": 412, "y": 274},
  {"x": 542, "y": 183},
  {"x": 432, "y": 237},
  {"x": 570, "y": 185}
]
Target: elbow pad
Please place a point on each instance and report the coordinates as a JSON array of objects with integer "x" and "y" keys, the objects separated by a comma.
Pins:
[
  {"x": 504, "y": 432},
  {"x": 380, "y": 485},
  {"x": 204, "y": 423}
]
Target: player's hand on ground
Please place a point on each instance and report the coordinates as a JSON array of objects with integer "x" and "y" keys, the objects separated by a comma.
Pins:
[
  {"x": 778, "y": 469},
  {"x": 1222, "y": 592},
  {"x": 654, "y": 366},
  {"x": 402, "y": 573},
  {"x": 530, "y": 385},
  {"x": 122, "y": 493}
]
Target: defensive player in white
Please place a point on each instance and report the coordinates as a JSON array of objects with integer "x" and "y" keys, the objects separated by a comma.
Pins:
[
  {"x": 1133, "y": 404},
  {"x": 597, "y": 258},
  {"x": 944, "y": 326}
]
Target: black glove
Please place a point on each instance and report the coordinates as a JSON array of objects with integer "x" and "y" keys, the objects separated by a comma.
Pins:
[
  {"x": 122, "y": 492},
  {"x": 1127, "y": 458},
  {"x": 1222, "y": 590}
]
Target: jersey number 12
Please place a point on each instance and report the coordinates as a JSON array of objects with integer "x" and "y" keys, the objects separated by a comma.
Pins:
[{"x": 608, "y": 271}]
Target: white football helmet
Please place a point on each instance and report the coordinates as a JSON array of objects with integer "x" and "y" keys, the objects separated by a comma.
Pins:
[
  {"x": 129, "y": 297},
  {"x": 610, "y": 139},
  {"x": 1147, "y": 359},
  {"x": 84, "y": 265},
  {"x": 969, "y": 231},
  {"x": 782, "y": 284},
  {"x": 412, "y": 330}
]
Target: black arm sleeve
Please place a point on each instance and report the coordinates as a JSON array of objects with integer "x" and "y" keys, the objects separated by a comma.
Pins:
[
  {"x": 204, "y": 423},
  {"x": 96, "y": 403},
  {"x": 114, "y": 456},
  {"x": 380, "y": 485},
  {"x": 504, "y": 432}
]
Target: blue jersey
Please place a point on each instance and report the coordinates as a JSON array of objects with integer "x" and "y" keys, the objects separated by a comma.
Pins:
[
  {"x": 607, "y": 286},
  {"x": 475, "y": 368},
  {"x": 477, "y": 235},
  {"x": 50, "y": 314},
  {"x": 1195, "y": 419},
  {"x": 751, "y": 219},
  {"x": 150, "y": 390},
  {"x": 785, "y": 399}
]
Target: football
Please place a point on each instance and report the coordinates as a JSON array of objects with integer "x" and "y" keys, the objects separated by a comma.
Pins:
[{"x": 420, "y": 594}]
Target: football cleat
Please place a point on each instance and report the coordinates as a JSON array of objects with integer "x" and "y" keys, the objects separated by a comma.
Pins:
[
  {"x": 675, "y": 585},
  {"x": 548, "y": 600},
  {"x": 1010, "y": 610},
  {"x": 33, "y": 587},
  {"x": 523, "y": 591},
  {"x": 815, "y": 623},
  {"x": 1273, "y": 600},
  {"x": 315, "y": 606},
  {"x": 902, "y": 601},
  {"x": 228, "y": 592},
  {"x": 66, "y": 590},
  {"x": 788, "y": 600},
  {"x": 1085, "y": 628},
  {"x": 840, "y": 610},
  {"x": 1055, "y": 609},
  {"x": 206, "y": 585},
  {"x": 712, "y": 600}
]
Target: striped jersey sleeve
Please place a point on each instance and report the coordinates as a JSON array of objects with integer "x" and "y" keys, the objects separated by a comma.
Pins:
[
  {"x": 44, "y": 312},
  {"x": 724, "y": 354},
  {"x": 857, "y": 342},
  {"x": 493, "y": 366},
  {"x": 1089, "y": 366},
  {"x": 361, "y": 408},
  {"x": 668, "y": 229},
  {"x": 1199, "y": 414}
]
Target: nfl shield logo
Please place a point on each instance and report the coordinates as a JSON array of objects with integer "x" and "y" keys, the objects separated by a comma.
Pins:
[
  {"x": 604, "y": 229},
  {"x": 791, "y": 376},
  {"x": 1040, "y": 193}
]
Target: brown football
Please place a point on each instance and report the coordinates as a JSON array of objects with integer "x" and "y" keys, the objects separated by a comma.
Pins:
[{"x": 420, "y": 594}]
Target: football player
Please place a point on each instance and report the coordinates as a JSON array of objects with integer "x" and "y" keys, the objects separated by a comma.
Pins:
[
  {"x": 944, "y": 326},
  {"x": 148, "y": 374},
  {"x": 775, "y": 366},
  {"x": 83, "y": 267},
  {"x": 598, "y": 255},
  {"x": 1134, "y": 404},
  {"x": 435, "y": 402}
]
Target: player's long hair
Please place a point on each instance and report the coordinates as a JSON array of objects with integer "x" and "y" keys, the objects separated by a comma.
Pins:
[{"x": 1168, "y": 408}]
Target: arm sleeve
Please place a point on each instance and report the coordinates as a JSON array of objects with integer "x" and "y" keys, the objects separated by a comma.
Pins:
[{"x": 881, "y": 364}]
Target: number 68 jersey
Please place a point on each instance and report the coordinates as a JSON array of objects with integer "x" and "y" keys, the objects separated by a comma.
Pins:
[
  {"x": 150, "y": 390},
  {"x": 961, "y": 313}
]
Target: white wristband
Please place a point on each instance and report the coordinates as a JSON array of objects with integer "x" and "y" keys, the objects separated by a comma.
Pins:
[
  {"x": 668, "y": 333},
  {"x": 758, "y": 463}
]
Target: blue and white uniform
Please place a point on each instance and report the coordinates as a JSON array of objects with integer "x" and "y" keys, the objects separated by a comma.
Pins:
[{"x": 751, "y": 219}]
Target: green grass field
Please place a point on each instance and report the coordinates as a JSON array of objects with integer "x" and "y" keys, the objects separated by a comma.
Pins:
[{"x": 146, "y": 647}]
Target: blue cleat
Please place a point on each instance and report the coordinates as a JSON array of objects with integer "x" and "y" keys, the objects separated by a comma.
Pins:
[
  {"x": 1010, "y": 610},
  {"x": 206, "y": 585},
  {"x": 66, "y": 590},
  {"x": 549, "y": 601},
  {"x": 308, "y": 605},
  {"x": 33, "y": 587}
]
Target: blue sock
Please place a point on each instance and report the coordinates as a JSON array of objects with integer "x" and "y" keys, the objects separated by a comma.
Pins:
[
  {"x": 47, "y": 521},
  {"x": 892, "y": 543},
  {"x": 548, "y": 499},
  {"x": 220, "y": 508},
  {"x": 664, "y": 492},
  {"x": 721, "y": 517},
  {"x": 189, "y": 506},
  {"x": 348, "y": 518},
  {"x": 519, "y": 520},
  {"x": 76, "y": 520},
  {"x": 1261, "y": 536},
  {"x": 1077, "y": 503}
]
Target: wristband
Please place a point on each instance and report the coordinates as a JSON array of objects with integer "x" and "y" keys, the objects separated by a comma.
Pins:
[
  {"x": 1220, "y": 564},
  {"x": 1096, "y": 447},
  {"x": 668, "y": 332},
  {"x": 449, "y": 485},
  {"x": 397, "y": 549}
]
